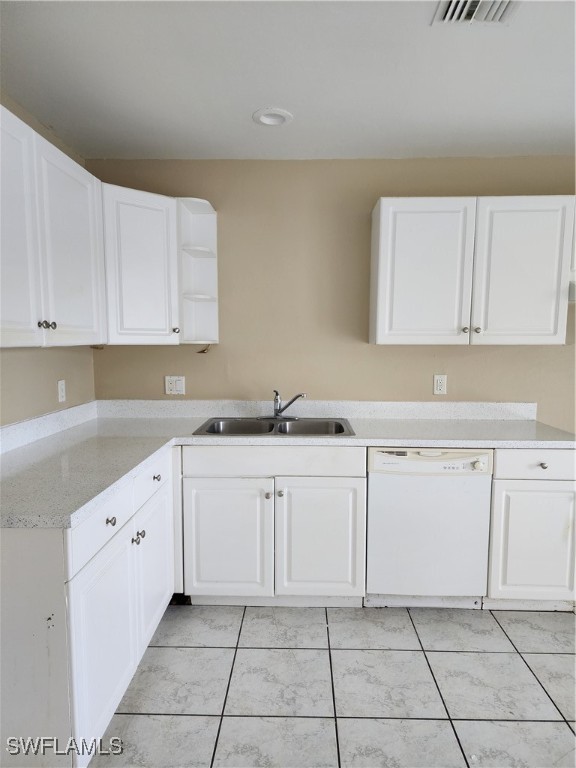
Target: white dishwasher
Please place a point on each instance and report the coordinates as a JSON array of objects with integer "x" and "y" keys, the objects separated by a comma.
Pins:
[{"x": 428, "y": 521}]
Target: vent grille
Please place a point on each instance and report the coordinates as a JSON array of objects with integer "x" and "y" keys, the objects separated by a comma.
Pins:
[{"x": 468, "y": 11}]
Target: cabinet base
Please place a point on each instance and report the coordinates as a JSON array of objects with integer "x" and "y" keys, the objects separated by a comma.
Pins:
[
  {"x": 283, "y": 600},
  {"x": 495, "y": 604}
]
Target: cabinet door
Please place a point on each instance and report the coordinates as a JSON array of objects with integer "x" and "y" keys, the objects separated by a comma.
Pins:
[
  {"x": 141, "y": 266},
  {"x": 102, "y": 609},
  {"x": 521, "y": 269},
  {"x": 421, "y": 281},
  {"x": 20, "y": 299},
  {"x": 228, "y": 536},
  {"x": 320, "y": 536},
  {"x": 153, "y": 526},
  {"x": 532, "y": 539},
  {"x": 70, "y": 216}
]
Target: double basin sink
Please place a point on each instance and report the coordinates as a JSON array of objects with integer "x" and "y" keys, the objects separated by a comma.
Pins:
[{"x": 242, "y": 427}]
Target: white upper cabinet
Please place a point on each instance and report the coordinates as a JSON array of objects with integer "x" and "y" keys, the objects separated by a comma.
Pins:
[
  {"x": 52, "y": 264},
  {"x": 521, "y": 269},
  {"x": 141, "y": 266},
  {"x": 422, "y": 253},
  {"x": 197, "y": 245},
  {"x": 489, "y": 270},
  {"x": 20, "y": 305},
  {"x": 70, "y": 234}
]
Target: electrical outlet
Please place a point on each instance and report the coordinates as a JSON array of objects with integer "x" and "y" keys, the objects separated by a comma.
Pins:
[
  {"x": 440, "y": 384},
  {"x": 62, "y": 391},
  {"x": 175, "y": 385}
]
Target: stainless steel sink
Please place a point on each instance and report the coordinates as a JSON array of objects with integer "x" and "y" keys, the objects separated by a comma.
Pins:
[
  {"x": 235, "y": 427},
  {"x": 238, "y": 427},
  {"x": 315, "y": 427}
]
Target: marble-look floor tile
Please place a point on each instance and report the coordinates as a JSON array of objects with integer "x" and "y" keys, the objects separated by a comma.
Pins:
[
  {"x": 277, "y": 742},
  {"x": 556, "y": 673},
  {"x": 179, "y": 681},
  {"x": 281, "y": 682},
  {"x": 368, "y": 743},
  {"x": 384, "y": 684},
  {"x": 517, "y": 745},
  {"x": 372, "y": 628},
  {"x": 539, "y": 631},
  {"x": 160, "y": 741},
  {"x": 490, "y": 686},
  {"x": 193, "y": 626},
  {"x": 459, "y": 629},
  {"x": 281, "y": 627}
]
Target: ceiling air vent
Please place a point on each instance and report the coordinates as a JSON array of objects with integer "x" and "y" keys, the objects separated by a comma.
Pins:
[{"x": 467, "y": 11}]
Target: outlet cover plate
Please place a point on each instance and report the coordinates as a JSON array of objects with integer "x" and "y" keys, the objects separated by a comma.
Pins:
[{"x": 175, "y": 385}]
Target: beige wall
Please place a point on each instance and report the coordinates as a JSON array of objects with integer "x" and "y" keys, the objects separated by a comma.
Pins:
[
  {"x": 29, "y": 380},
  {"x": 294, "y": 250}
]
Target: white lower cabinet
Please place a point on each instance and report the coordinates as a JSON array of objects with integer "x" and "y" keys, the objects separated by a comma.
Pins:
[
  {"x": 229, "y": 536},
  {"x": 153, "y": 562},
  {"x": 116, "y": 602},
  {"x": 103, "y": 638},
  {"x": 532, "y": 544},
  {"x": 279, "y": 535},
  {"x": 79, "y": 607},
  {"x": 532, "y": 541},
  {"x": 320, "y": 536}
]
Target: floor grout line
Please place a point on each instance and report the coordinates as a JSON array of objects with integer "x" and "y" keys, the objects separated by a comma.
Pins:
[
  {"x": 439, "y": 691},
  {"x": 333, "y": 690},
  {"x": 227, "y": 689}
]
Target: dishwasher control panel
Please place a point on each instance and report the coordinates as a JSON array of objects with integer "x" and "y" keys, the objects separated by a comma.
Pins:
[{"x": 429, "y": 461}]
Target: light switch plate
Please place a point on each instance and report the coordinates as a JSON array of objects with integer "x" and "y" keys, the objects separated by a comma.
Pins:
[
  {"x": 62, "y": 391},
  {"x": 175, "y": 385}
]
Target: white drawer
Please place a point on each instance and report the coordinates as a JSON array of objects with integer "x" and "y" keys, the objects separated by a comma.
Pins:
[
  {"x": 535, "y": 464},
  {"x": 268, "y": 461},
  {"x": 84, "y": 541},
  {"x": 151, "y": 478}
]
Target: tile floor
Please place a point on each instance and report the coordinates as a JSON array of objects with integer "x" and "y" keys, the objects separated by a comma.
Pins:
[{"x": 343, "y": 687}]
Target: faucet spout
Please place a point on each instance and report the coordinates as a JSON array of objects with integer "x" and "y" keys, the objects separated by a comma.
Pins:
[{"x": 279, "y": 408}]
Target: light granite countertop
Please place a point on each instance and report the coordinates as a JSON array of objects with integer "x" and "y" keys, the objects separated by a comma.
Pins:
[{"x": 56, "y": 482}]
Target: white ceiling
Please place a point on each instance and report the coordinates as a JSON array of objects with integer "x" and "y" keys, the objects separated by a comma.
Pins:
[{"x": 166, "y": 79}]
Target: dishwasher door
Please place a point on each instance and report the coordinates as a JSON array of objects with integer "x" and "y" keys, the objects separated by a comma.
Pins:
[{"x": 428, "y": 529}]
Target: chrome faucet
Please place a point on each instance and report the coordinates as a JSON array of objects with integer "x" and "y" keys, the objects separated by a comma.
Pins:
[{"x": 278, "y": 407}]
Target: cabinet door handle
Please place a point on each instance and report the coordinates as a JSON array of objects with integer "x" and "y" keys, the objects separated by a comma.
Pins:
[
  {"x": 477, "y": 329},
  {"x": 43, "y": 324},
  {"x": 157, "y": 477},
  {"x": 136, "y": 540},
  {"x": 53, "y": 325},
  {"x": 280, "y": 493},
  {"x": 466, "y": 329},
  {"x": 175, "y": 330},
  {"x": 543, "y": 465},
  {"x": 268, "y": 495},
  {"x": 141, "y": 534},
  {"x": 111, "y": 521}
]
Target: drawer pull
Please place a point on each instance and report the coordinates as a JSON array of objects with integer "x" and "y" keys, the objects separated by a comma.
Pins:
[
  {"x": 111, "y": 521},
  {"x": 136, "y": 540},
  {"x": 141, "y": 534},
  {"x": 157, "y": 477},
  {"x": 53, "y": 325},
  {"x": 543, "y": 465}
]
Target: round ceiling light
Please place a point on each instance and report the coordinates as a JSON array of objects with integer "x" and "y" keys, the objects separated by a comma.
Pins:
[{"x": 272, "y": 116}]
